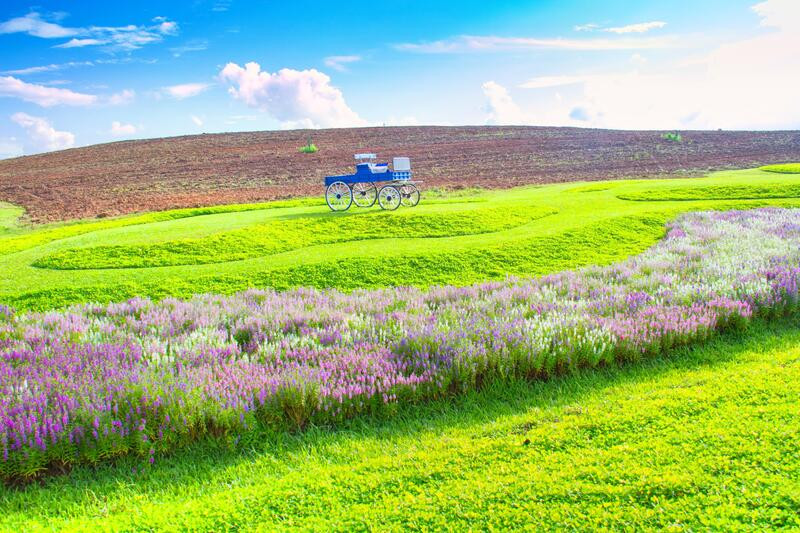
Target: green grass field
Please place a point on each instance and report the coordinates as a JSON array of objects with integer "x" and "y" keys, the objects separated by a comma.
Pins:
[
  {"x": 455, "y": 240},
  {"x": 703, "y": 440}
]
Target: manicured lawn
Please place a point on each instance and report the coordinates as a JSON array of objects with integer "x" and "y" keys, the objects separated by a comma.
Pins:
[
  {"x": 457, "y": 240},
  {"x": 705, "y": 439},
  {"x": 787, "y": 168}
]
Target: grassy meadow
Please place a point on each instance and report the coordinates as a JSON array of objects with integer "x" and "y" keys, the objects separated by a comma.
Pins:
[
  {"x": 458, "y": 239},
  {"x": 701, "y": 436},
  {"x": 704, "y": 439}
]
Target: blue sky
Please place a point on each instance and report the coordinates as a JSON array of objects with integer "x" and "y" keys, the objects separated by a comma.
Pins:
[{"x": 73, "y": 74}]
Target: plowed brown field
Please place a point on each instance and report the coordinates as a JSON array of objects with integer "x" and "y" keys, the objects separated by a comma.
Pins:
[{"x": 131, "y": 176}]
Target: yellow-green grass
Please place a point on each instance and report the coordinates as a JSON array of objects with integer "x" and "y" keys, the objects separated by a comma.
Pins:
[
  {"x": 453, "y": 240},
  {"x": 703, "y": 440},
  {"x": 787, "y": 168},
  {"x": 716, "y": 192},
  {"x": 293, "y": 234},
  {"x": 9, "y": 215}
]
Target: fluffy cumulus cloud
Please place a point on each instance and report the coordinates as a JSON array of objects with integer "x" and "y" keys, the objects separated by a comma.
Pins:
[
  {"x": 185, "y": 90},
  {"x": 42, "y": 95},
  {"x": 296, "y": 98},
  {"x": 501, "y": 108},
  {"x": 749, "y": 83},
  {"x": 118, "y": 129},
  {"x": 43, "y": 135}
]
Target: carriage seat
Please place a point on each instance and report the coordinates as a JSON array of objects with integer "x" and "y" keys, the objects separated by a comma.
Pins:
[{"x": 377, "y": 168}]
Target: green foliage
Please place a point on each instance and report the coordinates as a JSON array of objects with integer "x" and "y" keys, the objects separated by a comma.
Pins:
[
  {"x": 291, "y": 234},
  {"x": 705, "y": 439},
  {"x": 716, "y": 192},
  {"x": 308, "y": 149},
  {"x": 672, "y": 136},
  {"x": 788, "y": 168}
]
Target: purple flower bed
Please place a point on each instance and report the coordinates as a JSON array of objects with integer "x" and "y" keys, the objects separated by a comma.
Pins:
[{"x": 141, "y": 377}]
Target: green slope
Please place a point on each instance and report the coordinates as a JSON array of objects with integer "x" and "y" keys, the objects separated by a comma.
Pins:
[{"x": 458, "y": 240}]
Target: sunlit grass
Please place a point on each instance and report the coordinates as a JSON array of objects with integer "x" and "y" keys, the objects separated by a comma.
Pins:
[
  {"x": 705, "y": 439},
  {"x": 453, "y": 237},
  {"x": 788, "y": 168}
]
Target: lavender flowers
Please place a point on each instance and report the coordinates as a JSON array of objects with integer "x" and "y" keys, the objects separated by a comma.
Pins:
[{"x": 138, "y": 377}]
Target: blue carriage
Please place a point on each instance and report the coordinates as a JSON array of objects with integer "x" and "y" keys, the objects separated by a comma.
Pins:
[{"x": 362, "y": 188}]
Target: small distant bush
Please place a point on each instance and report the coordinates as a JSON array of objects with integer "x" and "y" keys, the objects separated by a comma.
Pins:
[
  {"x": 672, "y": 136},
  {"x": 309, "y": 148}
]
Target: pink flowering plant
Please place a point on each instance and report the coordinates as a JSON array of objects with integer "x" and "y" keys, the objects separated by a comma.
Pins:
[{"x": 141, "y": 377}]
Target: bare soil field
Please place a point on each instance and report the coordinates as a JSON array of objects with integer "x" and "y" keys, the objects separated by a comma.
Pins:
[{"x": 145, "y": 175}]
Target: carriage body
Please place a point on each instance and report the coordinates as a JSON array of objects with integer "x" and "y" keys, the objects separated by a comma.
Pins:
[{"x": 361, "y": 188}]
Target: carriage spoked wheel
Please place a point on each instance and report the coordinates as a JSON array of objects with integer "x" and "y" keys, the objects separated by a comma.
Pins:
[
  {"x": 389, "y": 197},
  {"x": 365, "y": 194},
  {"x": 338, "y": 196},
  {"x": 409, "y": 195}
]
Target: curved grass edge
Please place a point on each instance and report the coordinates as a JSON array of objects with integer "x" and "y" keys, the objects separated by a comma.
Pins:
[
  {"x": 13, "y": 243},
  {"x": 602, "y": 243},
  {"x": 264, "y": 240},
  {"x": 776, "y": 311},
  {"x": 766, "y": 191},
  {"x": 785, "y": 168}
]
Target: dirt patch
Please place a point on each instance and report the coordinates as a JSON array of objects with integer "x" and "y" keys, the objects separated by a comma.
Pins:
[{"x": 132, "y": 176}]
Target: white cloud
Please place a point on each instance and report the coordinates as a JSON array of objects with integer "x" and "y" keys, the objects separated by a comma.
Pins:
[
  {"x": 543, "y": 82},
  {"x": 126, "y": 96},
  {"x": 642, "y": 27},
  {"x": 167, "y": 27},
  {"x": 586, "y": 27},
  {"x": 114, "y": 38},
  {"x": 340, "y": 62},
  {"x": 41, "y": 95},
  {"x": 118, "y": 129},
  {"x": 9, "y": 147},
  {"x": 781, "y": 14},
  {"x": 185, "y": 90},
  {"x": 42, "y": 132},
  {"x": 501, "y": 107},
  {"x": 196, "y": 45},
  {"x": 490, "y": 43},
  {"x": 32, "y": 24},
  {"x": 750, "y": 83},
  {"x": 197, "y": 120},
  {"x": 47, "y": 68},
  {"x": 79, "y": 43},
  {"x": 297, "y": 98}
]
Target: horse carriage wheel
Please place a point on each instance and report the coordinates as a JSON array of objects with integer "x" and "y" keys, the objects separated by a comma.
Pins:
[
  {"x": 409, "y": 195},
  {"x": 338, "y": 196},
  {"x": 389, "y": 197},
  {"x": 364, "y": 194}
]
